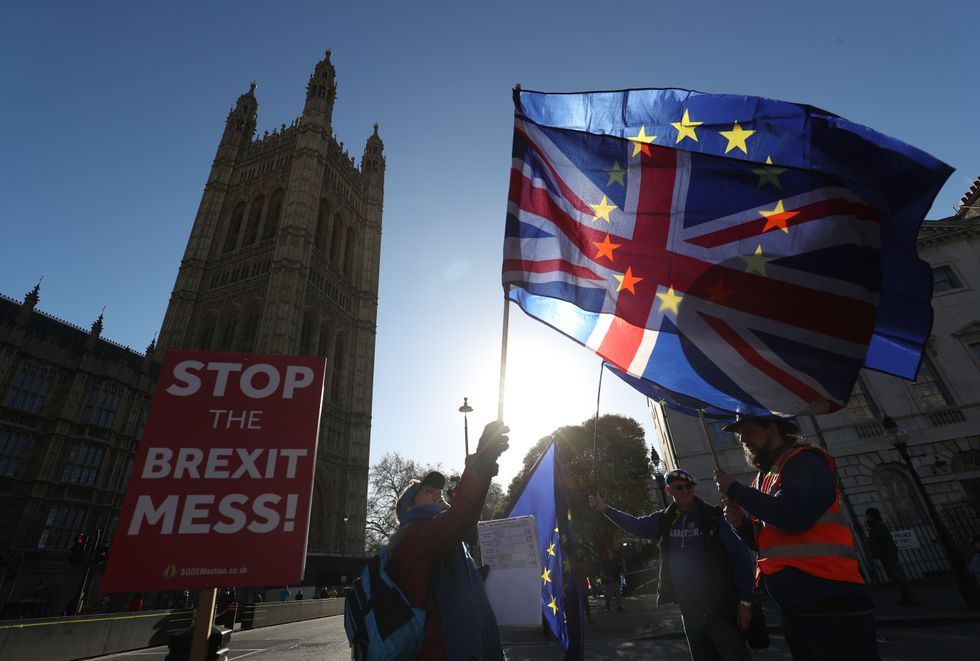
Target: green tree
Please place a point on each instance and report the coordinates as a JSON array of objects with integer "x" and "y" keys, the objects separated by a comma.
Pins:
[{"x": 624, "y": 476}]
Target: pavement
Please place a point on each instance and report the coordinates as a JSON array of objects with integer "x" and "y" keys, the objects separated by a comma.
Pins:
[{"x": 642, "y": 619}]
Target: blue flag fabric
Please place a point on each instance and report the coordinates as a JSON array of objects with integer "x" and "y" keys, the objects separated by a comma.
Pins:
[
  {"x": 544, "y": 497},
  {"x": 749, "y": 253}
]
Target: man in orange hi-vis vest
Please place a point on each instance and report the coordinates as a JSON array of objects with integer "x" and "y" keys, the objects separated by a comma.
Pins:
[{"x": 807, "y": 560}]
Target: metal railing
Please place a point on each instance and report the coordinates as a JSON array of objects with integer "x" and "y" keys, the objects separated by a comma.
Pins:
[{"x": 919, "y": 549}]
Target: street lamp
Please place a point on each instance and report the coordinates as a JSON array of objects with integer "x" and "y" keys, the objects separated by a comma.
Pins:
[
  {"x": 343, "y": 535},
  {"x": 965, "y": 581},
  {"x": 464, "y": 409},
  {"x": 343, "y": 550}
]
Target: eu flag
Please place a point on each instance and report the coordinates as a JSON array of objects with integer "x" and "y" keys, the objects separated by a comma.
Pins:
[
  {"x": 544, "y": 497},
  {"x": 748, "y": 253}
]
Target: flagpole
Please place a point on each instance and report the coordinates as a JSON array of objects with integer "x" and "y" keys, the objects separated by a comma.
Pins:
[
  {"x": 707, "y": 437},
  {"x": 503, "y": 358},
  {"x": 595, "y": 430}
]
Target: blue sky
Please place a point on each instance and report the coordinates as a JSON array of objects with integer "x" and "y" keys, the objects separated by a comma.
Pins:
[{"x": 111, "y": 113}]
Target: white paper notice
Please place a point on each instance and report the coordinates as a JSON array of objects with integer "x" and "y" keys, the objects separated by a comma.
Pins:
[{"x": 510, "y": 548}]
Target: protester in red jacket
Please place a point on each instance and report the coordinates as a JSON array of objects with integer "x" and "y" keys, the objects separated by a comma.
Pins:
[{"x": 432, "y": 566}]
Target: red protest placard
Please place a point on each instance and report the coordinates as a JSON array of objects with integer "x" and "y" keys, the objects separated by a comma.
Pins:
[{"x": 220, "y": 492}]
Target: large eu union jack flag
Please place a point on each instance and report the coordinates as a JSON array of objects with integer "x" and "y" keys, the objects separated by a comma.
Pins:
[{"x": 748, "y": 253}]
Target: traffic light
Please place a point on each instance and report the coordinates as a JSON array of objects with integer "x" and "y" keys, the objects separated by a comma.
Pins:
[
  {"x": 101, "y": 555},
  {"x": 77, "y": 556}
]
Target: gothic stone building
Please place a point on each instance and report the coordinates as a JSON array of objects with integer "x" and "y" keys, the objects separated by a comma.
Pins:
[
  {"x": 938, "y": 416},
  {"x": 72, "y": 409},
  {"x": 283, "y": 258}
]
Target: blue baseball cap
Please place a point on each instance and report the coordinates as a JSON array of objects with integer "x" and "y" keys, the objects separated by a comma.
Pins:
[
  {"x": 679, "y": 474},
  {"x": 434, "y": 479}
]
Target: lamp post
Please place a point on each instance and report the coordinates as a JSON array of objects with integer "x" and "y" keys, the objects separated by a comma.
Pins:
[
  {"x": 343, "y": 549},
  {"x": 464, "y": 409},
  {"x": 965, "y": 581}
]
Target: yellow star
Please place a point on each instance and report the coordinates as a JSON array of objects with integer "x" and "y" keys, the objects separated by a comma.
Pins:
[
  {"x": 551, "y": 549},
  {"x": 769, "y": 175},
  {"x": 606, "y": 248},
  {"x": 546, "y": 576},
  {"x": 777, "y": 218},
  {"x": 603, "y": 208},
  {"x": 669, "y": 300},
  {"x": 627, "y": 280},
  {"x": 640, "y": 141},
  {"x": 616, "y": 174},
  {"x": 553, "y": 605},
  {"x": 566, "y": 564},
  {"x": 736, "y": 138},
  {"x": 685, "y": 128},
  {"x": 756, "y": 262},
  {"x": 569, "y": 515}
]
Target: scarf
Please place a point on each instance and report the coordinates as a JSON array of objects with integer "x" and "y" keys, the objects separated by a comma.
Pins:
[{"x": 468, "y": 623}]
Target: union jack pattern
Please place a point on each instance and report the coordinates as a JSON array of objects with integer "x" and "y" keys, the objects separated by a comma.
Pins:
[{"x": 747, "y": 285}]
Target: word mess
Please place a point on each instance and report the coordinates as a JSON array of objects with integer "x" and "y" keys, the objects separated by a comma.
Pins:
[{"x": 236, "y": 512}]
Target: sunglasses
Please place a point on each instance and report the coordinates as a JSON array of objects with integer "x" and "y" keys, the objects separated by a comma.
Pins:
[{"x": 681, "y": 486}]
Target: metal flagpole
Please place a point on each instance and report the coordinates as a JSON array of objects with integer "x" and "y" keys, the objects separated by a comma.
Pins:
[
  {"x": 595, "y": 430},
  {"x": 503, "y": 358},
  {"x": 707, "y": 437}
]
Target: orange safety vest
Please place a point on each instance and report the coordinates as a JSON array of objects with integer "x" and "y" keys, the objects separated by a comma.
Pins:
[{"x": 825, "y": 549}]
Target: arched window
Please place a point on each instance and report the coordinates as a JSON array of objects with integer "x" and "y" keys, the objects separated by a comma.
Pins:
[
  {"x": 229, "y": 322},
  {"x": 350, "y": 247},
  {"x": 322, "y": 220},
  {"x": 254, "y": 218},
  {"x": 205, "y": 333},
  {"x": 250, "y": 329},
  {"x": 272, "y": 217},
  {"x": 339, "y": 365},
  {"x": 336, "y": 237},
  {"x": 234, "y": 227},
  {"x": 307, "y": 333},
  {"x": 898, "y": 494},
  {"x": 323, "y": 344}
]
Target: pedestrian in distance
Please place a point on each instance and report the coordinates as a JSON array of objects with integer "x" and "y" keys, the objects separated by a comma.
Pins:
[
  {"x": 883, "y": 549},
  {"x": 432, "y": 566},
  {"x": 975, "y": 559},
  {"x": 284, "y": 594},
  {"x": 611, "y": 587},
  {"x": 299, "y": 595},
  {"x": 807, "y": 560},
  {"x": 136, "y": 604},
  {"x": 704, "y": 568}
]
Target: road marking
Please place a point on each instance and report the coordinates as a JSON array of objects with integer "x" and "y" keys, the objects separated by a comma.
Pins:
[{"x": 250, "y": 650}]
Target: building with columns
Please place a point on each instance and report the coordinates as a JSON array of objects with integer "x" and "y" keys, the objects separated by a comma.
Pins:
[
  {"x": 937, "y": 416},
  {"x": 283, "y": 258}
]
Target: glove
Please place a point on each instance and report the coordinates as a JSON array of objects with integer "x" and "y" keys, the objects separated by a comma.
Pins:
[{"x": 493, "y": 443}]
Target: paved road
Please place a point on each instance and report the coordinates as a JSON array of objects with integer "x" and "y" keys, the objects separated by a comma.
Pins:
[{"x": 324, "y": 639}]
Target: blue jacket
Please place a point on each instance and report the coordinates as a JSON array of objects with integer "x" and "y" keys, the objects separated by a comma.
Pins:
[{"x": 689, "y": 564}]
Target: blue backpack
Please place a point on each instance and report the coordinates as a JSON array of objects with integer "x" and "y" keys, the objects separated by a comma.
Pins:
[{"x": 381, "y": 625}]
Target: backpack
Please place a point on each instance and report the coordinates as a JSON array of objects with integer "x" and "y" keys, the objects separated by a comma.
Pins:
[{"x": 381, "y": 625}]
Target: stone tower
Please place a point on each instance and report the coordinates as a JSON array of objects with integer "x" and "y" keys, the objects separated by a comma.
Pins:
[{"x": 283, "y": 258}]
